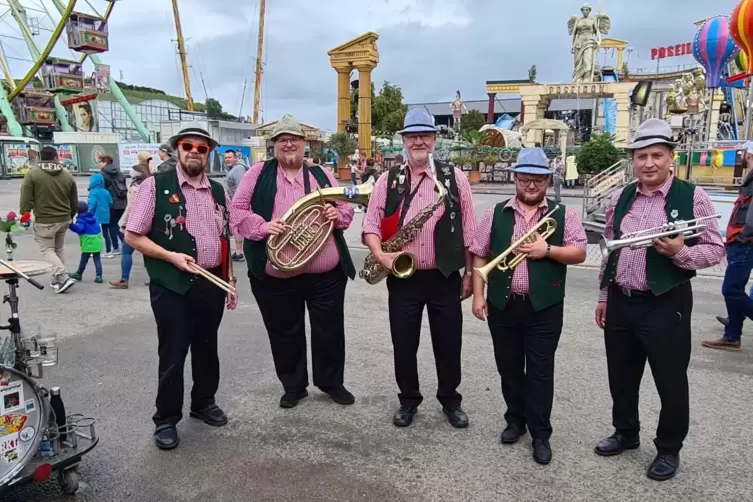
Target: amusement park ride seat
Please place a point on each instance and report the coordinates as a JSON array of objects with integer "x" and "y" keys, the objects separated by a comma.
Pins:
[
  {"x": 62, "y": 75},
  {"x": 87, "y": 33},
  {"x": 33, "y": 107}
]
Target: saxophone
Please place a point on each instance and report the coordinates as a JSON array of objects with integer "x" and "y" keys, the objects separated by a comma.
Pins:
[{"x": 405, "y": 263}]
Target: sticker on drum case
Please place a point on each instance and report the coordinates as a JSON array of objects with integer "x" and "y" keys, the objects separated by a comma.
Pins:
[
  {"x": 27, "y": 434},
  {"x": 12, "y": 424},
  {"x": 10, "y": 449},
  {"x": 12, "y": 398},
  {"x": 30, "y": 406}
]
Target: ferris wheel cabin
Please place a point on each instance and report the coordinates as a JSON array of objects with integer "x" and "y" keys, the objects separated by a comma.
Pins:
[
  {"x": 62, "y": 75},
  {"x": 34, "y": 107},
  {"x": 87, "y": 33}
]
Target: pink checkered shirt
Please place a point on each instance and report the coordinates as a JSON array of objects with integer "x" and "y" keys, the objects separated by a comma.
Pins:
[
  {"x": 423, "y": 245},
  {"x": 203, "y": 219},
  {"x": 572, "y": 236},
  {"x": 648, "y": 211},
  {"x": 254, "y": 227}
]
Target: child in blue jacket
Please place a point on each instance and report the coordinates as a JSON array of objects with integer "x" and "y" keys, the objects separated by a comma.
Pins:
[
  {"x": 90, "y": 238},
  {"x": 100, "y": 203}
]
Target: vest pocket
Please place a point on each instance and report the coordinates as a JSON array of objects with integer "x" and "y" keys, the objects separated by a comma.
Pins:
[{"x": 742, "y": 212}]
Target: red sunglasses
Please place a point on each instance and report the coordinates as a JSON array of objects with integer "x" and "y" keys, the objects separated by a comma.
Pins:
[{"x": 187, "y": 146}]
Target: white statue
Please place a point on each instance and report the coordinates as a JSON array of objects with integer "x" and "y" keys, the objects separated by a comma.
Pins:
[
  {"x": 586, "y": 38},
  {"x": 458, "y": 109}
]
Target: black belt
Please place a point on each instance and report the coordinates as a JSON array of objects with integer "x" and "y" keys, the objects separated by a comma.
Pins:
[
  {"x": 518, "y": 297},
  {"x": 630, "y": 293}
]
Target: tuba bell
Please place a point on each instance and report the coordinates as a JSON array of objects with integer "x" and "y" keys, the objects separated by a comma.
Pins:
[
  {"x": 545, "y": 227},
  {"x": 305, "y": 230}
]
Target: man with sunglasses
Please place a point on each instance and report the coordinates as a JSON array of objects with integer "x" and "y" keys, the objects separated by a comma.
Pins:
[
  {"x": 264, "y": 194},
  {"x": 441, "y": 249},
  {"x": 524, "y": 305},
  {"x": 179, "y": 218}
]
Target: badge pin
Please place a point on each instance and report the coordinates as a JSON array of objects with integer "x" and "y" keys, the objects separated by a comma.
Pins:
[{"x": 674, "y": 213}]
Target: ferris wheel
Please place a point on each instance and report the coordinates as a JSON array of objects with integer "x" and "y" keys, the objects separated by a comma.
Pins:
[{"x": 49, "y": 61}]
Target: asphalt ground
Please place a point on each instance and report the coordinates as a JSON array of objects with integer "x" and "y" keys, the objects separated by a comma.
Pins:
[{"x": 323, "y": 451}]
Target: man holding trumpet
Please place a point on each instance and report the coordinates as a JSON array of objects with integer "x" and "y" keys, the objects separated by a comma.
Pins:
[
  {"x": 646, "y": 300},
  {"x": 526, "y": 303},
  {"x": 265, "y": 193},
  {"x": 180, "y": 223}
]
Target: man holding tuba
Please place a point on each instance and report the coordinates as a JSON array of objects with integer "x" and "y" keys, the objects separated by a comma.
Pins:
[
  {"x": 266, "y": 192},
  {"x": 526, "y": 300},
  {"x": 646, "y": 300},
  {"x": 405, "y": 195}
]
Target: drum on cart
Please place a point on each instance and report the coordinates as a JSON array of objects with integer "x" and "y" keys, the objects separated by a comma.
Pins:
[{"x": 24, "y": 416}]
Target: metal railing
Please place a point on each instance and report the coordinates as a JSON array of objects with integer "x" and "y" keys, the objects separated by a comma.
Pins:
[{"x": 599, "y": 188}]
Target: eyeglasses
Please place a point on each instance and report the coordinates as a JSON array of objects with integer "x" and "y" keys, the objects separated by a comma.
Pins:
[
  {"x": 288, "y": 141},
  {"x": 187, "y": 146},
  {"x": 539, "y": 182}
]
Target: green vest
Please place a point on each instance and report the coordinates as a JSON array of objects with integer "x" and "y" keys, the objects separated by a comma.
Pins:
[
  {"x": 546, "y": 277},
  {"x": 449, "y": 246},
  {"x": 661, "y": 273},
  {"x": 263, "y": 203},
  {"x": 170, "y": 205}
]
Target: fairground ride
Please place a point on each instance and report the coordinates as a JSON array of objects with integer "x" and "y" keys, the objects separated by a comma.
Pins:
[{"x": 50, "y": 61}]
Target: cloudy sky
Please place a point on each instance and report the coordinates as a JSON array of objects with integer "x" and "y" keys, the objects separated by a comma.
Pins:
[{"x": 430, "y": 48}]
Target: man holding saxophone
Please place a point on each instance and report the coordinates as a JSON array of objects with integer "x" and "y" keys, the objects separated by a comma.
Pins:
[
  {"x": 265, "y": 193},
  {"x": 646, "y": 300},
  {"x": 439, "y": 196},
  {"x": 526, "y": 302}
]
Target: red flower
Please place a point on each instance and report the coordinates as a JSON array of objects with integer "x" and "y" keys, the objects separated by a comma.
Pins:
[
  {"x": 180, "y": 220},
  {"x": 11, "y": 216}
]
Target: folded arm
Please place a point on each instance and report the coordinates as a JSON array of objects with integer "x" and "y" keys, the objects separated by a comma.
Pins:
[
  {"x": 345, "y": 210},
  {"x": 574, "y": 241}
]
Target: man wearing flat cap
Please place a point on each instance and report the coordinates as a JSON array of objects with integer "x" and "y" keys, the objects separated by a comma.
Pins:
[
  {"x": 179, "y": 218},
  {"x": 524, "y": 305},
  {"x": 441, "y": 250},
  {"x": 264, "y": 195},
  {"x": 646, "y": 299},
  {"x": 167, "y": 156}
]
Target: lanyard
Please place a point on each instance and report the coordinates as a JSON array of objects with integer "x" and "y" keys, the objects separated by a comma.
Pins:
[{"x": 408, "y": 198}]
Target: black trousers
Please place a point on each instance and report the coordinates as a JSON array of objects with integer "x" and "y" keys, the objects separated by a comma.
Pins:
[
  {"x": 283, "y": 304},
  {"x": 441, "y": 297},
  {"x": 183, "y": 322},
  {"x": 525, "y": 342},
  {"x": 656, "y": 328}
]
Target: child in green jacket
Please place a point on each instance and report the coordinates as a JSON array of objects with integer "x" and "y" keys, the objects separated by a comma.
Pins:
[{"x": 91, "y": 241}]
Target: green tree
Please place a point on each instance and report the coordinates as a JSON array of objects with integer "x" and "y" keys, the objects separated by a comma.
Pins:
[
  {"x": 342, "y": 144},
  {"x": 472, "y": 121},
  {"x": 598, "y": 154},
  {"x": 388, "y": 111},
  {"x": 214, "y": 109}
]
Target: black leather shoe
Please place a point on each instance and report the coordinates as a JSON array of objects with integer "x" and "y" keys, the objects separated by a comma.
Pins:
[
  {"x": 340, "y": 395},
  {"x": 512, "y": 433},
  {"x": 291, "y": 399},
  {"x": 211, "y": 415},
  {"x": 663, "y": 467},
  {"x": 404, "y": 416},
  {"x": 166, "y": 437},
  {"x": 542, "y": 452},
  {"x": 616, "y": 444},
  {"x": 456, "y": 417}
]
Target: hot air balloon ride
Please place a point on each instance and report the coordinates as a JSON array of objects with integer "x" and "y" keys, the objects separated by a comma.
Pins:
[
  {"x": 714, "y": 48},
  {"x": 741, "y": 30}
]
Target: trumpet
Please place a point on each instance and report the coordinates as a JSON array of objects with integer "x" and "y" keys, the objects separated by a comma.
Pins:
[
  {"x": 545, "y": 227},
  {"x": 645, "y": 238}
]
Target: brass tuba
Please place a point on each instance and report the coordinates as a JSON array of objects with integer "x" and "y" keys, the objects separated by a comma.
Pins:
[
  {"x": 404, "y": 264},
  {"x": 305, "y": 232},
  {"x": 545, "y": 227}
]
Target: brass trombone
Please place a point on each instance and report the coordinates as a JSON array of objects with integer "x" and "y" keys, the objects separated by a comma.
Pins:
[
  {"x": 645, "y": 238},
  {"x": 547, "y": 225}
]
